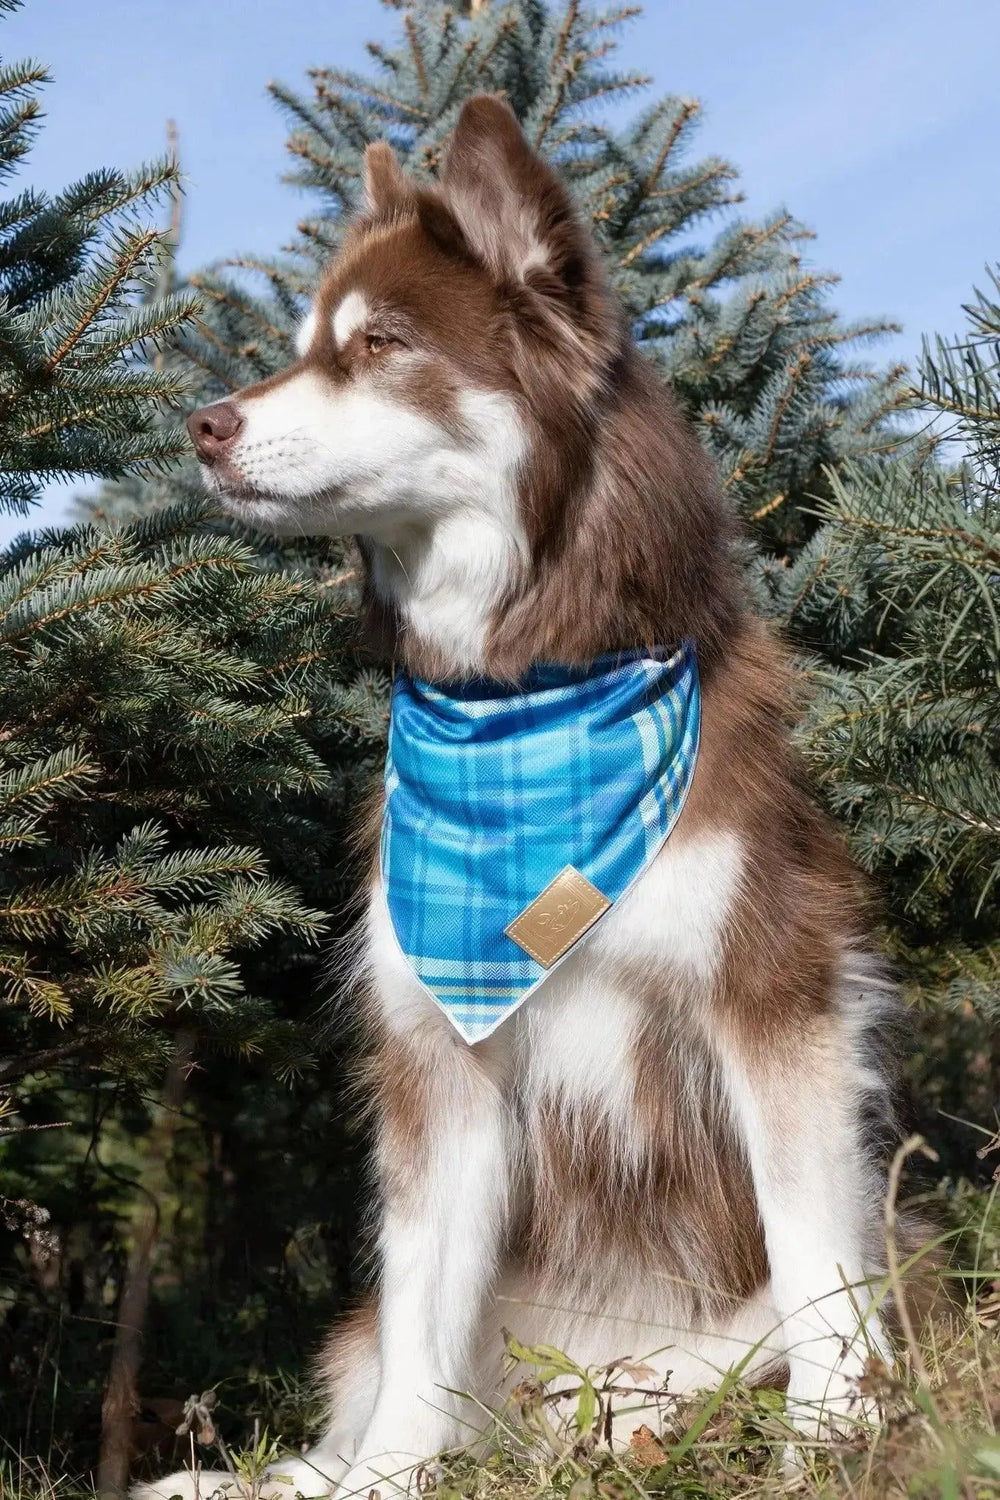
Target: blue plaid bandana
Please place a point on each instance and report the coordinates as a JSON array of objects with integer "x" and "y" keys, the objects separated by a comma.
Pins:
[{"x": 514, "y": 820}]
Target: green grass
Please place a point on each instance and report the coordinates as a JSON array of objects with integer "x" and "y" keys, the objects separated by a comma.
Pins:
[
  {"x": 937, "y": 1438},
  {"x": 937, "y": 1435}
]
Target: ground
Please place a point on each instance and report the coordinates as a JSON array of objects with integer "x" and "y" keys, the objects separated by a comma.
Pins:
[{"x": 939, "y": 1435}]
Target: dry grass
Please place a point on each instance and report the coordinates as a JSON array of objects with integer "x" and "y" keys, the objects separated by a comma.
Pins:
[
  {"x": 937, "y": 1437},
  {"x": 938, "y": 1433}
]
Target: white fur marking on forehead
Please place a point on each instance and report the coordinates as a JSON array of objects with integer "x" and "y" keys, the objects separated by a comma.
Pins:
[
  {"x": 305, "y": 332},
  {"x": 351, "y": 315}
]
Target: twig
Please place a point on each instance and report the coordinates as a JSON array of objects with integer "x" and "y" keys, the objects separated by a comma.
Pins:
[
  {"x": 912, "y": 1145},
  {"x": 121, "y": 1396}
]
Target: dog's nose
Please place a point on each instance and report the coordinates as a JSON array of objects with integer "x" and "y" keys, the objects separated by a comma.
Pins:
[{"x": 212, "y": 427}]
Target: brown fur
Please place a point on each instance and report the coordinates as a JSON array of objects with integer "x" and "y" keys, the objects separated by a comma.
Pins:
[
  {"x": 674, "y": 1210},
  {"x": 800, "y": 896}
]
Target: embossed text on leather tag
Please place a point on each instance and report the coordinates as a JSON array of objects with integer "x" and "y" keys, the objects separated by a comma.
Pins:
[{"x": 555, "y": 919}]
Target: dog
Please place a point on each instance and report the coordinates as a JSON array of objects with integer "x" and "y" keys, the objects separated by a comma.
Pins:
[{"x": 674, "y": 1150}]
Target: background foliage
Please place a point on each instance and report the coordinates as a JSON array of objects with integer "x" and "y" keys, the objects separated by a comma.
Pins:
[{"x": 187, "y": 721}]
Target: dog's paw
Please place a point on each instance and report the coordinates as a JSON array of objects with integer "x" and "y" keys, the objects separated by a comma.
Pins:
[
  {"x": 308, "y": 1477},
  {"x": 826, "y": 1397},
  {"x": 285, "y": 1479},
  {"x": 189, "y": 1484},
  {"x": 389, "y": 1475}
]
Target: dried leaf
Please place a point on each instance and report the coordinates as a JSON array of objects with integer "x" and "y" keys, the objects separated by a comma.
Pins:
[
  {"x": 645, "y": 1446},
  {"x": 641, "y": 1374}
]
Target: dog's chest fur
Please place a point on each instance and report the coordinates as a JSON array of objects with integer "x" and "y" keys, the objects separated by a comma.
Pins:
[
  {"x": 571, "y": 1036},
  {"x": 610, "y": 1080}
]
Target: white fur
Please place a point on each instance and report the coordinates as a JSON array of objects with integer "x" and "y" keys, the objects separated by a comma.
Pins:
[
  {"x": 446, "y": 577},
  {"x": 352, "y": 314},
  {"x": 333, "y": 456},
  {"x": 439, "y": 509},
  {"x": 800, "y": 1119},
  {"x": 436, "y": 1270},
  {"x": 578, "y": 1041},
  {"x": 583, "y": 1066},
  {"x": 435, "y": 1276},
  {"x": 404, "y": 1004},
  {"x": 643, "y": 1328},
  {"x": 676, "y": 914},
  {"x": 305, "y": 333}
]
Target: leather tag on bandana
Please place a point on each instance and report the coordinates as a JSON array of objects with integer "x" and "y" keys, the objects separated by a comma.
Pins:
[{"x": 551, "y": 923}]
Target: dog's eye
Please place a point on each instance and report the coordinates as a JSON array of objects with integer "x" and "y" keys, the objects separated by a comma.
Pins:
[{"x": 379, "y": 341}]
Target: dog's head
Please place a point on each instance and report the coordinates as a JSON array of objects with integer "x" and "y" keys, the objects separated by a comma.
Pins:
[{"x": 460, "y": 329}]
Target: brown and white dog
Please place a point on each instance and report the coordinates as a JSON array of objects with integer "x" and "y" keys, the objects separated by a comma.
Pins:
[{"x": 672, "y": 1151}]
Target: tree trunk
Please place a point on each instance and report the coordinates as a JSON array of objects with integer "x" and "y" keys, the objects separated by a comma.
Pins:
[{"x": 121, "y": 1398}]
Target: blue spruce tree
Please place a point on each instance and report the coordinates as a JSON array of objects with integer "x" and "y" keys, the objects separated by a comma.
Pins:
[{"x": 170, "y": 742}]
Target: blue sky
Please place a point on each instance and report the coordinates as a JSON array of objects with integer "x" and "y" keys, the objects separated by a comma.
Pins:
[{"x": 874, "y": 121}]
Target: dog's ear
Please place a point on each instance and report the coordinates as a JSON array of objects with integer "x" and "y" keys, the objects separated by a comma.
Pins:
[
  {"x": 513, "y": 209},
  {"x": 389, "y": 192},
  {"x": 387, "y": 189}
]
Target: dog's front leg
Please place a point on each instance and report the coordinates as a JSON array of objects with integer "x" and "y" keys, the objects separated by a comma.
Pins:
[
  {"x": 444, "y": 1159},
  {"x": 798, "y": 1105}
]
